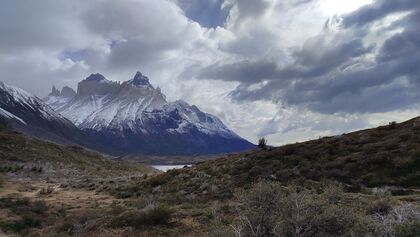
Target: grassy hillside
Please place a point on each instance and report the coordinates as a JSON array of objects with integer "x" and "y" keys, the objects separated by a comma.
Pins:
[
  {"x": 45, "y": 186},
  {"x": 19, "y": 153},
  {"x": 362, "y": 183},
  {"x": 383, "y": 156},
  {"x": 371, "y": 174}
]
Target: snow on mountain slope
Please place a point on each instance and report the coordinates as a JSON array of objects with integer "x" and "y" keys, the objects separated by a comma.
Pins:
[
  {"x": 137, "y": 114},
  {"x": 6, "y": 114},
  {"x": 29, "y": 114},
  {"x": 12, "y": 97},
  {"x": 58, "y": 98}
]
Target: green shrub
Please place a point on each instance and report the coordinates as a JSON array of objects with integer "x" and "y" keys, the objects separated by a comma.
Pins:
[
  {"x": 262, "y": 143},
  {"x": 270, "y": 210},
  {"x": 32, "y": 214},
  {"x": 46, "y": 191},
  {"x": 159, "y": 215},
  {"x": 10, "y": 168},
  {"x": 159, "y": 180},
  {"x": 408, "y": 229},
  {"x": 403, "y": 221},
  {"x": 18, "y": 226},
  {"x": 381, "y": 206},
  {"x": 37, "y": 169}
]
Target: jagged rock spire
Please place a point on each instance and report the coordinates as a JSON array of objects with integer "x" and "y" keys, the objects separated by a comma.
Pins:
[
  {"x": 55, "y": 92},
  {"x": 139, "y": 80},
  {"x": 68, "y": 92},
  {"x": 95, "y": 77}
]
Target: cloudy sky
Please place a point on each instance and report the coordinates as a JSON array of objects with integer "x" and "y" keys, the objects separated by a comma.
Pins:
[{"x": 289, "y": 70}]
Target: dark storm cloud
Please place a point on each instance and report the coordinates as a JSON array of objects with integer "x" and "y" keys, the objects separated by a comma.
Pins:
[
  {"x": 336, "y": 73},
  {"x": 319, "y": 56},
  {"x": 404, "y": 44},
  {"x": 245, "y": 71},
  {"x": 138, "y": 52},
  {"x": 316, "y": 58},
  {"x": 379, "y": 10}
]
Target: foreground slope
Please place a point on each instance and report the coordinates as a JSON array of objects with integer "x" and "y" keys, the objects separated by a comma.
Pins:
[
  {"x": 135, "y": 117},
  {"x": 365, "y": 183},
  {"x": 387, "y": 156},
  {"x": 45, "y": 185},
  {"x": 89, "y": 196}
]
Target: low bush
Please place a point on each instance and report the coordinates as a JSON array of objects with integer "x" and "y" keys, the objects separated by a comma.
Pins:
[
  {"x": 407, "y": 229},
  {"x": 46, "y": 191},
  {"x": 32, "y": 214},
  {"x": 403, "y": 221},
  {"x": 159, "y": 215},
  {"x": 17, "y": 226},
  {"x": 159, "y": 180},
  {"x": 382, "y": 206},
  {"x": 81, "y": 223},
  {"x": 270, "y": 210},
  {"x": 10, "y": 168}
]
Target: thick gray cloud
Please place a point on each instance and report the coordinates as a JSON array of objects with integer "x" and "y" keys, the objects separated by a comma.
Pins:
[
  {"x": 244, "y": 71},
  {"x": 317, "y": 57},
  {"x": 61, "y": 42},
  {"x": 379, "y": 10},
  {"x": 272, "y": 68},
  {"x": 208, "y": 13},
  {"x": 340, "y": 70}
]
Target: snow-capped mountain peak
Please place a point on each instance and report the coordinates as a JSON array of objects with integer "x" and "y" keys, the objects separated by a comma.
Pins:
[
  {"x": 96, "y": 77},
  {"x": 58, "y": 98},
  {"x": 67, "y": 92},
  {"x": 12, "y": 97},
  {"x": 54, "y": 92},
  {"x": 29, "y": 114},
  {"x": 134, "y": 110},
  {"x": 139, "y": 80}
]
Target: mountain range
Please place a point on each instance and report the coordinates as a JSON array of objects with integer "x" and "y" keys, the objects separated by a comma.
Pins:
[
  {"x": 130, "y": 117},
  {"x": 30, "y": 115}
]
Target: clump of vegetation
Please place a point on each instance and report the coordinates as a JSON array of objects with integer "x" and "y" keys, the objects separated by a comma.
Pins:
[
  {"x": 269, "y": 209},
  {"x": 150, "y": 216},
  {"x": 7, "y": 168},
  {"x": 46, "y": 191},
  {"x": 401, "y": 221},
  {"x": 80, "y": 223},
  {"x": 262, "y": 143},
  {"x": 392, "y": 124},
  {"x": 32, "y": 214},
  {"x": 37, "y": 169}
]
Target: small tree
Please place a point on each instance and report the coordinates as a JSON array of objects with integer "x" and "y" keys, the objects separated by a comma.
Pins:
[{"x": 262, "y": 143}]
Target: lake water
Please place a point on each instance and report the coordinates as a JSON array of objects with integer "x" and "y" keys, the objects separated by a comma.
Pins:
[{"x": 165, "y": 168}]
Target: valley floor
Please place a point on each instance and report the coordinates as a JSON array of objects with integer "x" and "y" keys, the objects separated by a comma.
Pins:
[
  {"x": 39, "y": 206},
  {"x": 360, "y": 184}
]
